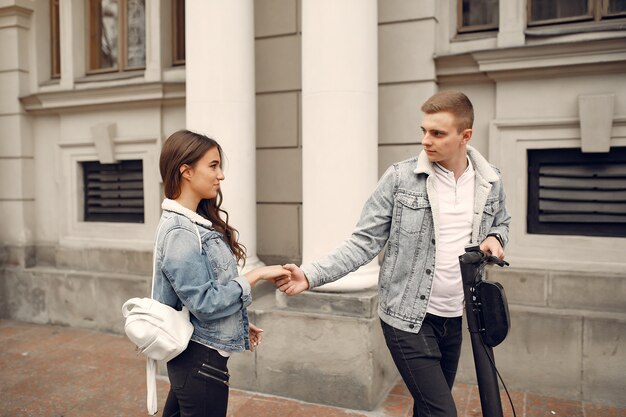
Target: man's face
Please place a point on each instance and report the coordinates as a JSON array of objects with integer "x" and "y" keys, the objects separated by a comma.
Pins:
[{"x": 441, "y": 141}]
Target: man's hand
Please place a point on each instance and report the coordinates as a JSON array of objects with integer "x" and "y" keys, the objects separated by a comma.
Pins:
[
  {"x": 255, "y": 336},
  {"x": 491, "y": 246},
  {"x": 296, "y": 284}
]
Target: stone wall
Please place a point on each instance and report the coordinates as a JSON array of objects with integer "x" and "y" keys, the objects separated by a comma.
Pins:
[{"x": 566, "y": 337}]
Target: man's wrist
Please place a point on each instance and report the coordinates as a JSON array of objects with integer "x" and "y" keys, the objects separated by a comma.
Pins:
[{"x": 498, "y": 238}]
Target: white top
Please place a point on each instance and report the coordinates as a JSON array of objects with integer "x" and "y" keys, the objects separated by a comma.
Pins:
[{"x": 456, "y": 206}]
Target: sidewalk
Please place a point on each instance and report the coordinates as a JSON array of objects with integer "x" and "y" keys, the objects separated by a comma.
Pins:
[{"x": 51, "y": 371}]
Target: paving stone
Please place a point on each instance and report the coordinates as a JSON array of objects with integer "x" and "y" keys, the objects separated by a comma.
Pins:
[
  {"x": 398, "y": 406},
  {"x": 81, "y": 373},
  {"x": 461, "y": 394},
  {"x": 537, "y": 406}
]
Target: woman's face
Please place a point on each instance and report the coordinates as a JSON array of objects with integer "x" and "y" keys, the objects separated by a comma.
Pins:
[{"x": 205, "y": 176}]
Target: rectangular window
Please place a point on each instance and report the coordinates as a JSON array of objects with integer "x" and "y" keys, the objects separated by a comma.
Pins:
[
  {"x": 614, "y": 8},
  {"x": 575, "y": 193},
  {"x": 117, "y": 35},
  {"x": 477, "y": 15},
  {"x": 178, "y": 32},
  {"x": 113, "y": 192},
  {"x": 546, "y": 12},
  {"x": 55, "y": 37}
]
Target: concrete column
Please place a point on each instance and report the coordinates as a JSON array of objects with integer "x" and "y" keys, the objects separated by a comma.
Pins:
[
  {"x": 339, "y": 126},
  {"x": 17, "y": 195},
  {"x": 220, "y": 100}
]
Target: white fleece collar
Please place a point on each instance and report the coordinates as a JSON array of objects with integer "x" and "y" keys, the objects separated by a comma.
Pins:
[
  {"x": 173, "y": 205},
  {"x": 424, "y": 166}
]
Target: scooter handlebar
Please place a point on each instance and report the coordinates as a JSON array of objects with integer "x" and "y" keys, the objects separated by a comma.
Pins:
[{"x": 478, "y": 257}]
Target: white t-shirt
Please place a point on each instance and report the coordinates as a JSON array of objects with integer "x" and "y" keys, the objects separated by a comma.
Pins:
[{"x": 456, "y": 207}]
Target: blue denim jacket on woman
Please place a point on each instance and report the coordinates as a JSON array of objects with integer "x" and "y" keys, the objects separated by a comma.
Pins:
[
  {"x": 402, "y": 212},
  {"x": 195, "y": 266}
]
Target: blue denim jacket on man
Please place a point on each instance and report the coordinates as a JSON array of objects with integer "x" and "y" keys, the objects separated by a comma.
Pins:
[
  {"x": 195, "y": 266},
  {"x": 402, "y": 212}
]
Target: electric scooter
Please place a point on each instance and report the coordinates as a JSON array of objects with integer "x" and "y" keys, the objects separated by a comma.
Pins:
[{"x": 488, "y": 323}]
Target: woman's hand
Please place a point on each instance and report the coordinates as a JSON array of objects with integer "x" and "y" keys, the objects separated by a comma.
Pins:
[
  {"x": 255, "y": 335},
  {"x": 272, "y": 272}
]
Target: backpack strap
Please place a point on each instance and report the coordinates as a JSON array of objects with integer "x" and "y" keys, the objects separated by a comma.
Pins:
[
  {"x": 151, "y": 369},
  {"x": 154, "y": 254},
  {"x": 151, "y": 364}
]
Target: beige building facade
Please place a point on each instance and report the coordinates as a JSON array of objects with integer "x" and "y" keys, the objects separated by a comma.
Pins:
[{"x": 312, "y": 101}]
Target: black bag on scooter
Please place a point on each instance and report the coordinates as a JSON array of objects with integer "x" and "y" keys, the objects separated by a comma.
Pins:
[{"x": 493, "y": 312}]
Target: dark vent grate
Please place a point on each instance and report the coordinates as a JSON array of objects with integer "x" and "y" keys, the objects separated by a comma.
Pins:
[
  {"x": 572, "y": 193},
  {"x": 114, "y": 192}
]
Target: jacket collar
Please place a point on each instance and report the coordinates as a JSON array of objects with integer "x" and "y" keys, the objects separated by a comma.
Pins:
[
  {"x": 174, "y": 206},
  {"x": 424, "y": 166}
]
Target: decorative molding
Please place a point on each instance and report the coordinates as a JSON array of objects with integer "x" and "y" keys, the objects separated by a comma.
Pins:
[
  {"x": 116, "y": 141},
  {"x": 531, "y": 61},
  {"x": 509, "y": 141},
  {"x": 103, "y": 134},
  {"x": 596, "y": 119},
  {"x": 73, "y": 231},
  {"x": 92, "y": 96},
  {"x": 16, "y": 15}
]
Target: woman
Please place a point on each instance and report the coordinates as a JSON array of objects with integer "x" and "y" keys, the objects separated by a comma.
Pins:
[{"x": 196, "y": 266}]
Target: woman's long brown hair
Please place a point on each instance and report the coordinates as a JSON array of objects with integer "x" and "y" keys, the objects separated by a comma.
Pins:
[{"x": 186, "y": 147}]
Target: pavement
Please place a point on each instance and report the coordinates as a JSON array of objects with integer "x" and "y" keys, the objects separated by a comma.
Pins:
[{"x": 54, "y": 371}]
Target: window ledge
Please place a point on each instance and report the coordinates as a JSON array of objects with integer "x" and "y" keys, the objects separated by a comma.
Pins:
[
  {"x": 471, "y": 36},
  {"x": 89, "y": 95},
  {"x": 50, "y": 82},
  {"x": 529, "y": 61},
  {"x": 568, "y": 29},
  {"x": 110, "y": 76}
]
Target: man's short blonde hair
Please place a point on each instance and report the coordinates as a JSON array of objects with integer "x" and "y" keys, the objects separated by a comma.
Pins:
[{"x": 454, "y": 102}]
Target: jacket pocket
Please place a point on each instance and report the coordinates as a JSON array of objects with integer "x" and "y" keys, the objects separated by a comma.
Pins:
[
  {"x": 489, "y": 214},
  {"x": 491, "y": 207},
  {"x": 410, "y": 211},
  {"x": 219, "y": 254}
]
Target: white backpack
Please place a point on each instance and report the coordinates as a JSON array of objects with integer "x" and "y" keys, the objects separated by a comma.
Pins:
[{"x": 159, "y": 331}]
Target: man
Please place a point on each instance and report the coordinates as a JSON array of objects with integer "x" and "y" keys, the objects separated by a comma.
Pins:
[{"x": 426, "y": 210}]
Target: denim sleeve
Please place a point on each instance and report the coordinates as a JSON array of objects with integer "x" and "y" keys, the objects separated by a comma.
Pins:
[
  {"x": 188, "y": 271},
  {"x": 367, "y": 240},
  {"x": 502, "y": 217}
]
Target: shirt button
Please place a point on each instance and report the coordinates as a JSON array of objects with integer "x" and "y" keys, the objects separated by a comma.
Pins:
[
  {"x": 411, "y": 326},
  {"x": 432, "y": 241},
  {"x": 428, "y": 271},
  {"x": 422, "y": 297}
]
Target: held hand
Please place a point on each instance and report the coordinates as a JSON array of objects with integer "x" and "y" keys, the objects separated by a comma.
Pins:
[
  {"x": 272, "y": 272},
  {"x": 255, "y": 336},
  {"x": 297, "y": 284},
  {"x": 492, "y": 246}
]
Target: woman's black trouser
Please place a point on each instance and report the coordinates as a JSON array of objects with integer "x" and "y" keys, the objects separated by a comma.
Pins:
[
  {"x": 198, "y": 383},
  {"x": 427, "y": 362}
]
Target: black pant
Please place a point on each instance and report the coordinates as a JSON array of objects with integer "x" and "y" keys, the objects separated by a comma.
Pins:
[
  {"x": 427, "y": 362},
  {"x": 198, "y": 383}
]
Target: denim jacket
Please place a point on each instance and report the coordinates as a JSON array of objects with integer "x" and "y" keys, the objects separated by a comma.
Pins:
[
  {"x": 196, "y": 268},
  {"x": 402, "y": 213}
]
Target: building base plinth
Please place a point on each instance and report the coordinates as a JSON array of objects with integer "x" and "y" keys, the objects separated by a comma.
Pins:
[{"x": 318, "y": 347}]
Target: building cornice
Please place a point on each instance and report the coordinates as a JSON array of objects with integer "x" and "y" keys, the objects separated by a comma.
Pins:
[
  {"x": 15, "y": 14},
  {"x": 535, "y": 61},
  {"x": 112, "y": 95}
]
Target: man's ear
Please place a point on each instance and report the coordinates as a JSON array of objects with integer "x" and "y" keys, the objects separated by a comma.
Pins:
[{"x": 467, "y": 135}]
